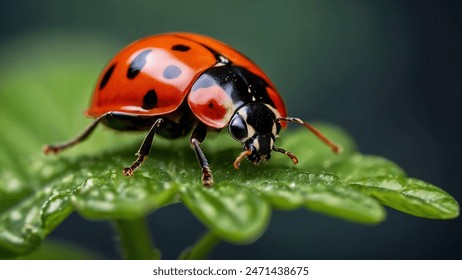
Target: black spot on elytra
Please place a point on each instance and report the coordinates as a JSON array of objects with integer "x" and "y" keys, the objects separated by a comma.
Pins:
[
  {"x": 149, "y": 100},
  {"x": 181, "y": 48},
  {"x": 218, "y": 56},
  {"x": 137, "y": 64},
  {"x": 107, "y": 76},
  {"x": 171, "y": 72}
]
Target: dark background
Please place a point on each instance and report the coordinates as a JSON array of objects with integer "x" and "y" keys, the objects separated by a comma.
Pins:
[{"x": 389, "y": 72}]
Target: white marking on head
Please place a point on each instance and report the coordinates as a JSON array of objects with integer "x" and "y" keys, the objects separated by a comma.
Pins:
[
  {"x": 243, "y": 112},
  {"x": 256, "y": 144},
  {"x": 250, "y": 129},
  {"x": 274, "y": 129},
  {"x": 276, "y": 113}
]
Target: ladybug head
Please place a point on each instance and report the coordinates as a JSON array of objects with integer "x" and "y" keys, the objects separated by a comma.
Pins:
[{"x": 255, "y": 126}]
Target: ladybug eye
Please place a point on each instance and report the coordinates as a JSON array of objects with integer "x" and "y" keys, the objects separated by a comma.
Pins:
[{"x": 238, "y": 128}]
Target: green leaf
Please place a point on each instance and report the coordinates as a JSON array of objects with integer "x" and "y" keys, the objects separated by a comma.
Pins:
[
  {"x": 360, "y": 166},
  {"x": 12, "y": 189},
  {"x": 233, "y": 213},
  {"x": 340, "y": 202},
  {"x": 288, "y": 189},
  {"x": 114, "y": 196},
  {"x": 25, "y": 225},
  {"x": 411, "y": 196},
  {"x": 40, "y": 205}
]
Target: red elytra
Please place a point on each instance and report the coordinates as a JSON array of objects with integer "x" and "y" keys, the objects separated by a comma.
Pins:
[
  {"x": 170, "y": 84},
  {"x": 123, "y": 94}
]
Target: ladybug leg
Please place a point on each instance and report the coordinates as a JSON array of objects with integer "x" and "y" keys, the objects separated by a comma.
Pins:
[
  {"x": 144, "y": 149},
  {"x": 197, "y": 137},
  {"x": 289, "y": 154},
  {"x": 240, "y": 157},
  {"x": 48, "y": 149}
]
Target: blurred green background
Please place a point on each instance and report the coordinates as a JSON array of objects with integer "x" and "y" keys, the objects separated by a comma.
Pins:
[{"x": 389, "y": 72}]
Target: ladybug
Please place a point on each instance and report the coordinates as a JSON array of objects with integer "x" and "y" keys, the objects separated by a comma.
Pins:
[{"x": 173, "y": 83}]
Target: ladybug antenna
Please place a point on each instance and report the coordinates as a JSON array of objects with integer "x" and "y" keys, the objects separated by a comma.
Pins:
[{"x": 335, "y": 147}]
